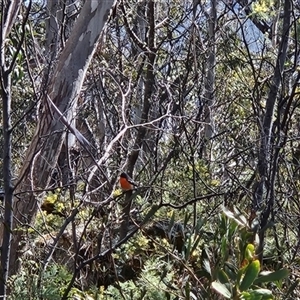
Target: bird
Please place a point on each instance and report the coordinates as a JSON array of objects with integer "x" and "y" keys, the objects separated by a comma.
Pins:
[{"x": 126, "y": 183}]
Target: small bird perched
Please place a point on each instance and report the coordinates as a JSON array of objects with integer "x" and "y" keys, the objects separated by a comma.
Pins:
[{"x": 126, "y": 183}]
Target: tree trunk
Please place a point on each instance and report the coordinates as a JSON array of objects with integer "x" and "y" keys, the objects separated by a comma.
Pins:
[
  {"x": 264, "y": 187},
  {"x": 63, "y": 90},
  {"x": 148, "y": 89},
  {"x": 9, "y": 12},
  {"x": 209, "y": 96},
  {"x": 8, "y": 186}
]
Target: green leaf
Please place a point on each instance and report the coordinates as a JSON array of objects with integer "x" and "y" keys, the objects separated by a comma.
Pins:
[
  {"x": 222, "y": 276},
  {"x": 187, "y": 217},
  {"x": 224, "y": 248},
  {"x": 187, "y": 290},
  {"x": 249, "y": 252},
  {"x": 196, "y": 243},
  {"x": 221, "y": 289},
  {"x": 273, "y": 276},
  {"x": 232, "y": 229},
  {"x": 250, "y": 275},
  {"x": 244, "y": 265},
  {"x": 263, "y": 294},
  {"x": 230, "y": 271}
]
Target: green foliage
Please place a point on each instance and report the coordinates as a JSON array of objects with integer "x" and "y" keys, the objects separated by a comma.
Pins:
[
  {"x": 209, "y": 264},
  {"x": 155, "y": 283},
  {"x": 243, "y": 280},
  {"x": 264, "y": 9},
  {"x": 26, "y": 285}
]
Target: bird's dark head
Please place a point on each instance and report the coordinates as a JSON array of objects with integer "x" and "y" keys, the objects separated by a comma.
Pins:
[{"x": 123, "y": 175}]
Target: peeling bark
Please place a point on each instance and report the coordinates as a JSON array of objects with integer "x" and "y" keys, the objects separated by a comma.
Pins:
[{"x": 63, "y": 90}]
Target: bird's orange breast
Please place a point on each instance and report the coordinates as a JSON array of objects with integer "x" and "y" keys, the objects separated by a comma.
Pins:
[{"x": 125, "y": 184}]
